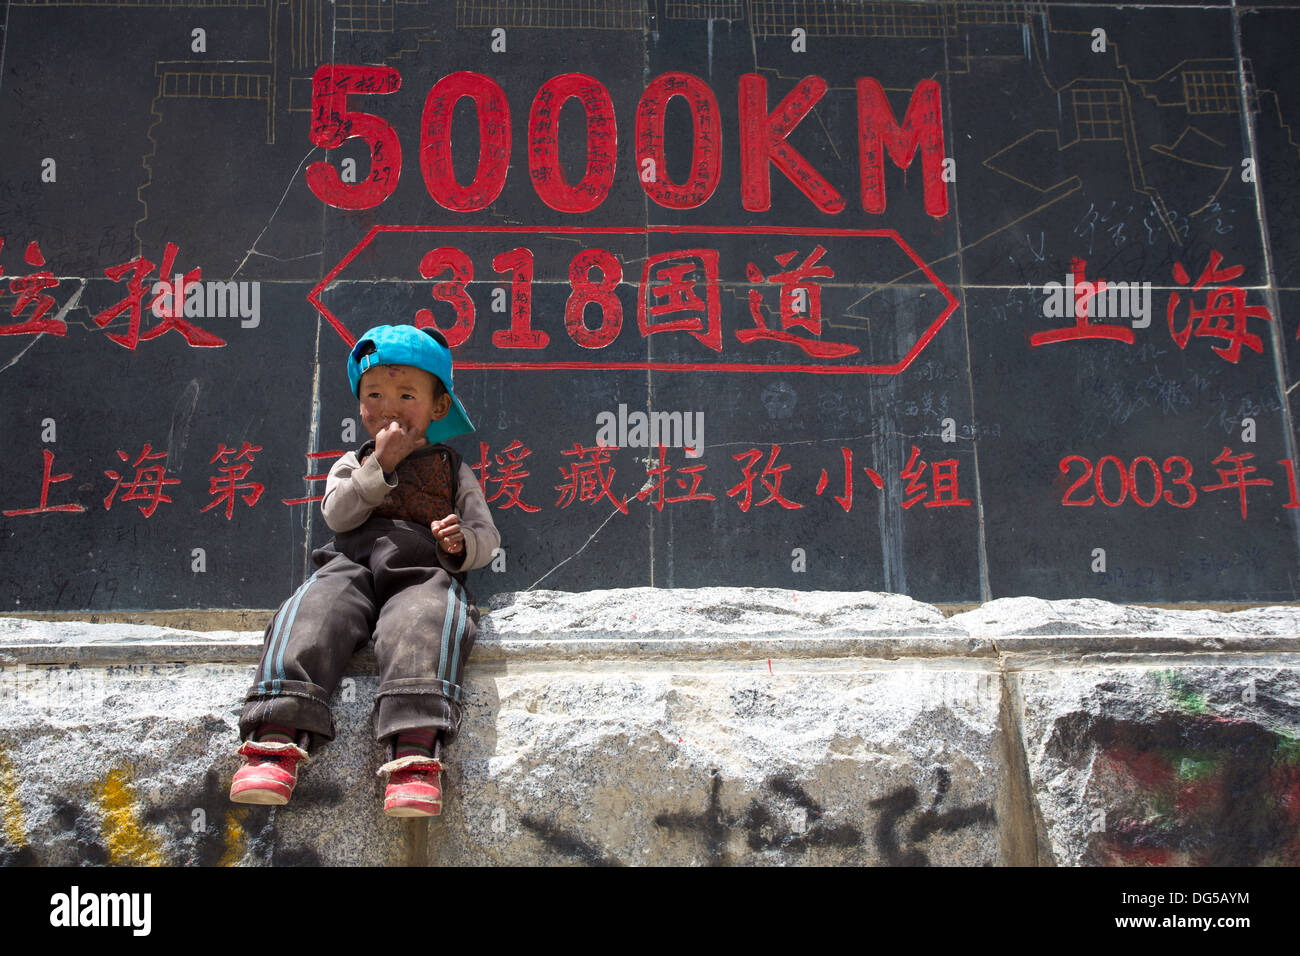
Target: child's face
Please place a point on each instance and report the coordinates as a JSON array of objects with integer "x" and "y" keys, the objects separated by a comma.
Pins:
[{"x": 400, "y": 393}]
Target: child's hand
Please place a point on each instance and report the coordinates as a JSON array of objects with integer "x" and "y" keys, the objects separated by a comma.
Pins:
[
  {"x": 447, "y": 532},
  {"x": 394, "y": 442}
]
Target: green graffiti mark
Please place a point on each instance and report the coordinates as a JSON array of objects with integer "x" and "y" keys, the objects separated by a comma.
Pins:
[
  {"x": 1197, "y": 768},
  {"x": 1288, "y": 749},
  {"x": 1188, "y": 700}
]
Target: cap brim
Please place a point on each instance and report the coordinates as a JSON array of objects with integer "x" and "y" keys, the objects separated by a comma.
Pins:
[{"x": 454, "y": 423}]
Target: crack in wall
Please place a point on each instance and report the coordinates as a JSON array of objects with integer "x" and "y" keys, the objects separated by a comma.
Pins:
[
  {"x": 252, "y": 250},
  {"x": 576, "y": 553}
]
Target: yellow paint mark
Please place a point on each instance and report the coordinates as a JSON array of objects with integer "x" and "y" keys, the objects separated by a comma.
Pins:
[
  {"x": 129, "y": 843},
  {"x": 235, "y": 839},
  {"x": 11, "y": 811}
]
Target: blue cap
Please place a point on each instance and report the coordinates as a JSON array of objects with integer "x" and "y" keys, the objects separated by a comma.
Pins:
[{"x": 420, "y": 348}]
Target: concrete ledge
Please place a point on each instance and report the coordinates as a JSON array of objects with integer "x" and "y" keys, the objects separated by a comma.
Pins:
[{"x": 719, "y": 725}]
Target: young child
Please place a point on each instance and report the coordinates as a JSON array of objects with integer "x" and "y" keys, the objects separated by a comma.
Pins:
[{"x": 410, "y": 520}]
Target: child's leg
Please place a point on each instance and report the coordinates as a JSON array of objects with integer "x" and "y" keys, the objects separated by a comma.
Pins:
[
  {"x": 415, "y": 774},
  {"x": 415, "y": 743},
  {"x": 270, "y": 770},
  {"x": 307, "y": 645},
  {"x": 423, "y": 636},
  {"x": 276, "y": 734}
]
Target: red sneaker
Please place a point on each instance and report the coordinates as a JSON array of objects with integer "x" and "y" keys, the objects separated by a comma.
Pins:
[
  {"x": 269, "y": 773},
  {"x": 414, "y": 787}
]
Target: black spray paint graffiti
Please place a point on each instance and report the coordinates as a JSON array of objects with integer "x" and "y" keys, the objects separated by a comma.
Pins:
[
  {"x": 895, "y": 806},
  {"x": 788, "y": 821},
  {"x": 256, "y": 834},
  {"x": 207, "y": 845},
  {"x": 766, "y": 826},
  {"x": 196, "y": 825},
  {"x": 568, "y": 844}
]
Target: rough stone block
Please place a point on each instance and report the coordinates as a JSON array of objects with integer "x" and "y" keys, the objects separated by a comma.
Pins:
[
  {"x": 1183, "y": 764},
  {"x": 132, "y": 765},
  {"x": 820, "y": 762}
]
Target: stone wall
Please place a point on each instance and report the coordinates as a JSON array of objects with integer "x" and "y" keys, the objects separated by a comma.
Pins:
[{"x": 710, "y": 726}]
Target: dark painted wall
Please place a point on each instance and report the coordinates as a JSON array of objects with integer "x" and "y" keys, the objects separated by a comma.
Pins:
[{"x": 908, "y": 422}]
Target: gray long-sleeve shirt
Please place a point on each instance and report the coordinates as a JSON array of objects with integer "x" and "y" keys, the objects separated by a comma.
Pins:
[{"x": 354, "y": 489}]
